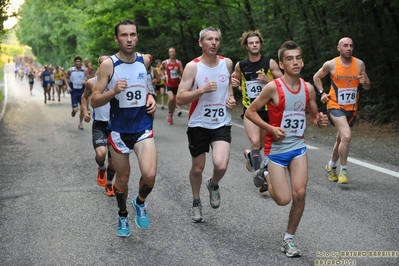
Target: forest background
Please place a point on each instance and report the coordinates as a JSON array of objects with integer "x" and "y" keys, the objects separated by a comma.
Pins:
[{"x": 57, "y": 30}]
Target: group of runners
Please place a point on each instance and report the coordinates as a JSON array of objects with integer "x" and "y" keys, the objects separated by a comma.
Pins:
[
  {"x": 275, "y": 99},
  {"x": 49, "y": 77}
]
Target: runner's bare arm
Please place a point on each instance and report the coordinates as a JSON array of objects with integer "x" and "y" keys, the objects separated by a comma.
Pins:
[
  {"x": 363, "y": 78},
  {"x": 318, "y": 118},
  {"x": 85, "y": 98}
]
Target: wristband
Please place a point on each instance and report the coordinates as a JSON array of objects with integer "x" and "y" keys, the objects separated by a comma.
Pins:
[{"x": 153, "y": 95}]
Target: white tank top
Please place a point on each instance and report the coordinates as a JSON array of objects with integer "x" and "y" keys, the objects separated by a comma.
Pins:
[
  {"x": 209, "y": 111},
  {"x": 101, "y": 113}
]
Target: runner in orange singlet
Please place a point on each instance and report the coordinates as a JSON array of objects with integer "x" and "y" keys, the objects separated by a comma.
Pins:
[{"x": 346, "y": 73}]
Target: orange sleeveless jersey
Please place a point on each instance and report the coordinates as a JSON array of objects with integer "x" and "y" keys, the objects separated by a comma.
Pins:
[{"x": 344, "y": 93}]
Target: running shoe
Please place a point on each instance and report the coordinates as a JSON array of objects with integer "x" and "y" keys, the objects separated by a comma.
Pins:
[
  {"x": 247, "y": 155},
  {"x": 196, "y": 214},
  {"x": 73, "y": 113},
  {"x": 332, "y": 175},
  {"x": 163, "y": 107},
  {"x": 109, "y": 190},
  {"x": 80, "y": 127},
  {"x": 169, "y": 119},
  {"x": 142, "y": 219},
  {"x": 263, "y": 188},
  {"x": 259, "y": 177},
  {"x": 290, "y": 249},
  {"x": 214, "y": 195},
  {"x": 101, "y": 178},
  {"x": 179, "y": 113},
  {"x": 123, "y": 227},
  {"x": 343, "y": 176}
]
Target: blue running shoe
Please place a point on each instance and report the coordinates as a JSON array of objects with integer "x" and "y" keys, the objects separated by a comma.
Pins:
[
  {"x": 123, "y": 227},
  {"x": 142, "y": 219}
]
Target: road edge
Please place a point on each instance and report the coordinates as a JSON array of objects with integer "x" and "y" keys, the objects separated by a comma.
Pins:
[{"x": 3, "y": 103}]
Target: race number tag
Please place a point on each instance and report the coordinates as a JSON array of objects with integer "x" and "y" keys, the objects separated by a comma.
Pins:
[
  {"x": 347, "y": 96},
  {"x": 77, "y": 85},
  {"x": 294, "y": 123},
  {"x": 47, "y": 78},
  {"x": 254, "y": 88},
  {"x": 213, "y": 113},
  {"x": 132, "y": 97},
  {"x": 174, "y": 74}
]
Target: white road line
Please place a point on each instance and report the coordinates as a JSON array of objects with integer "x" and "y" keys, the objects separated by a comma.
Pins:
[
  {"x": 3, "y": 110},
  {"x": 374, "y": 167}
]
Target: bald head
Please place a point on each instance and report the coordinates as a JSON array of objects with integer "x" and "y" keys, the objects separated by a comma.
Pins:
[
  {"x": 344, "y": 40},
  {"x": 345, "y": 47}
]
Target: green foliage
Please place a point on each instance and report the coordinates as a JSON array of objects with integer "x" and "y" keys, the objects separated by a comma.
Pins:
[
  {"x": 4, "y": 5},
  {"x": 58, "y": 30},
  {"x": 12, "y": 50}
]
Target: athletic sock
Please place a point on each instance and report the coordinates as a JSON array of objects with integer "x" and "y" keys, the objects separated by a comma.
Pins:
[
  {"x": 288, "y": 236},
  {"x": 332, "y": 164},
  {"x": 196, "y": 202},
  {"x": 139, "y": 202},
  {"x": 255, "y": 160},
  {"x": 110, "y": 174},
  {"x": 212, "y": 185},
  {"x": 122, "y": 213},
  {"x": 100, "y": 164}
]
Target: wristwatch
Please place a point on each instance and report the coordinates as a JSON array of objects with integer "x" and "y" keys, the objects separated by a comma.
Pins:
[{"x": 321, "y": 92}]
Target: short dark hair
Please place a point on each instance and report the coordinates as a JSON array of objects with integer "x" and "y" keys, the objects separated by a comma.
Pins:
[
  {"x": 124, "y": 22},
  {"x": 77, "y": 58},
  {"x": 288, "y": 45}
]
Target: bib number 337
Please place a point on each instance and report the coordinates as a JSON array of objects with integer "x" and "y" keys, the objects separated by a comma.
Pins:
[{"x": 294, "y": 122}]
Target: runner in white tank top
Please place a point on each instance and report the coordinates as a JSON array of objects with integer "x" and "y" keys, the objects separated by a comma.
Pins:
[
  {"x": 105, "y": 173},
  {"x": 206, "y": 86}
]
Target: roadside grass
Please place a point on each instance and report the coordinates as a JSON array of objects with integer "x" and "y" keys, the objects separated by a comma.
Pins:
[{"x": 3, "y": 60}]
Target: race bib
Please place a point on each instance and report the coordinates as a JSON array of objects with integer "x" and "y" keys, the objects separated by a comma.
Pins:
[
  {"x": 132, "y": 97},
  {"x": 77, "y": 85},
  {"x": 174, "y": 74},
  {"x": 46, "y": 78},
  {"x": 254, "y": 88},
  {"x": 347, "y": 96},
  {"x": 213, "y": 113},
  {"x": 294, "y": 123}
]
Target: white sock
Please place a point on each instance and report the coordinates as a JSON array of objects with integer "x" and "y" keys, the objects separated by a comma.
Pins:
[
  {"x": 288, "y": 236},
  {"x": 344, "y": 167},
  {"x": 332, "y": 164},
  {"x": 265, "y": 173}
]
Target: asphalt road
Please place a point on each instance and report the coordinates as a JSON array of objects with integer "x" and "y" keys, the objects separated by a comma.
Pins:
[{"x": 52, "y": 212}]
